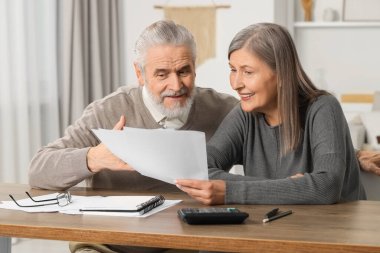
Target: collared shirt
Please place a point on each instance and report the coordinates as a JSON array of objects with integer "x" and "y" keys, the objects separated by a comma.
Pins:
[{"x": 161, "y": 119}]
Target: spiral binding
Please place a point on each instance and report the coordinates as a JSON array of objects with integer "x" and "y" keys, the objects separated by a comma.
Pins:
[
  {"x": 150, "y": 204},
  {"x": 141, "y": 208}
]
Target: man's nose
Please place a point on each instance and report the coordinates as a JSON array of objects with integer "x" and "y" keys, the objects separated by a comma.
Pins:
[{"x": 175, "y": 82}]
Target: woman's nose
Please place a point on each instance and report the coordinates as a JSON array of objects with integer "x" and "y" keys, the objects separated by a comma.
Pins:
[{"x": 237, "y": 82}]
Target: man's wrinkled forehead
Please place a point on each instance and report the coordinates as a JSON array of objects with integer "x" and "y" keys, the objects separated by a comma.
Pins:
[
  {"x": 168, "y": 57},
  {"x": 157, "y": 65}
]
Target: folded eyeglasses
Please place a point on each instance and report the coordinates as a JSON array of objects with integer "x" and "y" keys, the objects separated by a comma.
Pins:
[{"x": 62, "y": 199}]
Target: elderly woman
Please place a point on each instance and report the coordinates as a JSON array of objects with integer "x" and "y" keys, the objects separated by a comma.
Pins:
[{"x": 291, "y": 137}]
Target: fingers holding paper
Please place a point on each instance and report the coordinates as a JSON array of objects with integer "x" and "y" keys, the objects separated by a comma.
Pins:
[
  {"x": 100, "y": 157},
  {"x": 208, "y": 192}
]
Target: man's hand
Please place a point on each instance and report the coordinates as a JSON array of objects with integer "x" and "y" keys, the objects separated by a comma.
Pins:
[
  {"x": 369, "y": 161},
  {"x": 208, "y": 192},
  {"x": 99, "y": 157}
]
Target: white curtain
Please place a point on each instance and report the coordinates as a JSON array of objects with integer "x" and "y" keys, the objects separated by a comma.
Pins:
[
  {"x": 28, "y": 83},
  {"x": 55, "y": 58},
  {"x": 89, "y": 54}
]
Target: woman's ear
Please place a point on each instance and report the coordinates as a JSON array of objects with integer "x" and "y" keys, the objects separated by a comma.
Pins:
[{"x": 139, "y": 73}]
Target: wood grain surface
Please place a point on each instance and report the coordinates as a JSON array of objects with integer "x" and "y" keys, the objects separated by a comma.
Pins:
[{"x": 346, "y": 227}]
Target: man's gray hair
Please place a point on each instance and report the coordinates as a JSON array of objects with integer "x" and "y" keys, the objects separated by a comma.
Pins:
[{"x": 163, "y": 32}]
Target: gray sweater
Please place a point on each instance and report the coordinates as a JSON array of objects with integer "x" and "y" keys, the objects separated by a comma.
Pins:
[
  {"x": 325, "y": 156},
  {"x": 62, "y": 164}
]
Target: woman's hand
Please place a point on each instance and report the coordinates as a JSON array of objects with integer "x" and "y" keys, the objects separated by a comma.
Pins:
[{"x": 208, "y": 192}]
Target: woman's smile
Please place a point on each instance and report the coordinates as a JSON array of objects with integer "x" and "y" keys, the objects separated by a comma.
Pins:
[{"x": 246, "y": 96}]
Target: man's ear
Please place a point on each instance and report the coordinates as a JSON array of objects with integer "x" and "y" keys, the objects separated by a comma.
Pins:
[{"x": 139, "y": 73}]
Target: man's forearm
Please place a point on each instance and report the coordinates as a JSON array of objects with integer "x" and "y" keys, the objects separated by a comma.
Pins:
[{"x": 58, "y": 169}]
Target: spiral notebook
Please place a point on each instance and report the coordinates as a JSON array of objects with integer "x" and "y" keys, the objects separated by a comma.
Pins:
[{"x": 142, "y": 208}]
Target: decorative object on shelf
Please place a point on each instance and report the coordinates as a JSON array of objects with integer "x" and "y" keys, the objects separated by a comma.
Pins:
[
  {"x": 307, "y": 6},
  {"x": 201, "y": 21},
  {"x": 330, "y": 15},
  {"x": 361, "y": 10}
]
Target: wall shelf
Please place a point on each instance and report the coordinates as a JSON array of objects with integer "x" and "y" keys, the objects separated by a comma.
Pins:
[
  {"x": 337, "y": 24},
  {"x": 345, "y": 52}
]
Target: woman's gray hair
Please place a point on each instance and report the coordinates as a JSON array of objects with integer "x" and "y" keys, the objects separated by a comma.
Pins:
[
  {"x": 163, "y": 32},
  {"x": 273, "y": 44}
]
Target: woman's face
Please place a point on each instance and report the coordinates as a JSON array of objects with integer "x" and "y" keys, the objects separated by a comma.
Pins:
[{"x": 254, "y": 81}]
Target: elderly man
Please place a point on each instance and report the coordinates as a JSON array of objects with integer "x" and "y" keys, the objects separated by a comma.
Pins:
[{"x": 166, "y": 98}]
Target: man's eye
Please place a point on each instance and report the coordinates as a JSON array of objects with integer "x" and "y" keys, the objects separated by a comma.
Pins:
[
  {"x": 248, "y": 72},
  {"x": 161, "y": 75},
  {"x": 233, "y": 70},
  {"x": 183, "y": 73}
]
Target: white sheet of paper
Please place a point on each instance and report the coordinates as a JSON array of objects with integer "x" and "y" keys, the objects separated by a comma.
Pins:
[
  {"x": 90, "y": 202},
  {"x": 162, "y": 154}
]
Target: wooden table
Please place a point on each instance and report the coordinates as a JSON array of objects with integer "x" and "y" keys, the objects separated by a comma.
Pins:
[{"x": 349, "y": 227}]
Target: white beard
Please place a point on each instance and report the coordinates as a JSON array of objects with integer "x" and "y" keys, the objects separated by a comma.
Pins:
[{"x": 176, "y": 110}]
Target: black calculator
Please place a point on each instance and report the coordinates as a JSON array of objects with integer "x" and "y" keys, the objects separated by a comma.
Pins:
[{"x": 212, "y": 215}]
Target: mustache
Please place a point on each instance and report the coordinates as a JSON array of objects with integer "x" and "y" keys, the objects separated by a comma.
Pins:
[{"x": 169, "y": 93}]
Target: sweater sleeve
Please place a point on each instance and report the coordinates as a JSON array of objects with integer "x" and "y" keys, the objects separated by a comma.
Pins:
[
  {"x": 322, "y": 184},
  {"x": 225, "y": 148},
  {"x": 63, "y": 163},
  {"x": 312, "y": 188}
]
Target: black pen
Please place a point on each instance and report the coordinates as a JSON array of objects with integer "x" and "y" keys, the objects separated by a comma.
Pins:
[{"x": 277, "y": 216}]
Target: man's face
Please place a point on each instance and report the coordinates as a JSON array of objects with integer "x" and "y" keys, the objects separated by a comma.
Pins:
[{"x": 169, "y": 74}]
